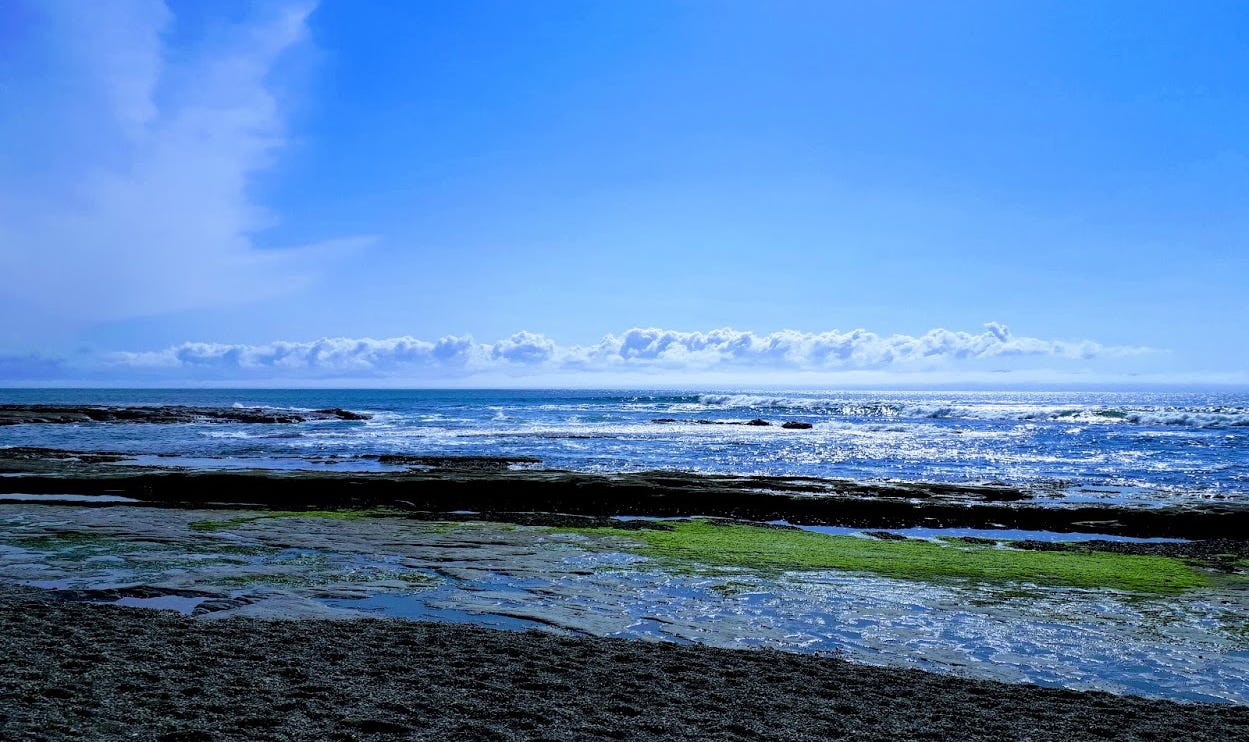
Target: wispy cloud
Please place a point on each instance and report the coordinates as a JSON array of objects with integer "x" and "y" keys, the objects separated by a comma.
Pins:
[{"x": 129, "y": 195}]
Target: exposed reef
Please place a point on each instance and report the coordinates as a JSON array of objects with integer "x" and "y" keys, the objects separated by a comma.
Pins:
[
  {"x": 492, "y": 488},
  {"x": 489, "y": 463},
  {"x": 757, "y": 422},
  {"x": 29, "y": 459},
  {"x": 30, "y": 414},
  {"x": 1221, "y": 554}
]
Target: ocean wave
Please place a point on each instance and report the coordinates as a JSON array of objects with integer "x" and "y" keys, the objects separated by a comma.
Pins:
[
  {"x": 1153, "y": 417},
  {"x": 241, "y": 406},
  {"x": 1197, "y": 417},
  {"x": 846, "y": 408}
]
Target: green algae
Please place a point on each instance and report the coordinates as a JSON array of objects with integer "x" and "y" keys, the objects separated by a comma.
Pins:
[
  {"x": 221, "y": 525},
  {"x": 697, "y": 544}
]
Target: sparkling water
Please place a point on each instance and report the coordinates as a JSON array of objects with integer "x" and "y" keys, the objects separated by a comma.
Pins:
[{"x": 1136, "y": 447}]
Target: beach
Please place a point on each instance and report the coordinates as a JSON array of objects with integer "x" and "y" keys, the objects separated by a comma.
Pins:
[
  {"x": 75, "y": 671},
  {"x": 260, "y": 591}
]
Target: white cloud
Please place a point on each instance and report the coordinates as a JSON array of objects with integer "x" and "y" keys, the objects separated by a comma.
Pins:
[
  {"x": 829, "y": 350},
  {"x": 524, "y": 347},
  {"x": 639, "y": 350},
  {"x": 328, "y": 355},
  {"x": 151, "y": 213}
]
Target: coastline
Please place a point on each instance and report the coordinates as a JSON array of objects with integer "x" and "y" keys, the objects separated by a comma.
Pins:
[
  {"x": 684, "y": 692},
  {"x": 493, "y": 491},
  {"x": 75, "y": 670}
]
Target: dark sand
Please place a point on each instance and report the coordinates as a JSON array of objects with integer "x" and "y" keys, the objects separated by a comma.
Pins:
[{"x": 79, "y": 671}]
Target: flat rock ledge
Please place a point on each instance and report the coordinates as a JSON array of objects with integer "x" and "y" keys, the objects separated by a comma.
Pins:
[
  {"x": 497, "y": 492},
  {"x": 17, "y": 414}
]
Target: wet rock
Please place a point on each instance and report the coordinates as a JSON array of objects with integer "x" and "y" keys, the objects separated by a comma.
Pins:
[
  {"x": 342, "y": 414},
  {"x": 48, "y": 414},
  {"x": 1214, "y": 551},
  {"x": 1034, "y": 545},
  {"x": 146, "y": 592},
  {"x": 438, "y": 484},
  {"x": 794, "y": 425},
  {"x": 212, "y": 605},
  {"x": 556, "y": 520},
  {"x": 491, "y": 463},
  {"x": 885, "y": 535},
  {"x": 759, "y": 422},
  {"x": 36, "y": 453}
]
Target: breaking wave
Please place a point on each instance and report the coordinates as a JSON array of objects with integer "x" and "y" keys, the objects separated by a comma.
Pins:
[{"x": 1198, "y": 417}]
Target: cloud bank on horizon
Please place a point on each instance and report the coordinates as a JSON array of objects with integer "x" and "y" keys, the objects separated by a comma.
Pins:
[{"x": 638, "y": 354}]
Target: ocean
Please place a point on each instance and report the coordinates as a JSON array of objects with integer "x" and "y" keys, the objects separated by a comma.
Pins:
[{"x": 1139, "y": 448}]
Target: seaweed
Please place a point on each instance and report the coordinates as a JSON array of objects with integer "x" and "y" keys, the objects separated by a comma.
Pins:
[{"x": 702, "y": 545}]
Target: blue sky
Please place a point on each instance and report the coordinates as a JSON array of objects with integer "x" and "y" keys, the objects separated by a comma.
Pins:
[{"x": 499, "y": 193}]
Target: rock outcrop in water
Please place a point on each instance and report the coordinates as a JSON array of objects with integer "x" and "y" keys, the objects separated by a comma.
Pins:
[
  {"x": 757, "y": 422},
  {"x": 494, "y": 489},
  {"x": 27, "y": 414},
  {"x": 341, "y": 414},
  {"x": 470, "y": 463}
]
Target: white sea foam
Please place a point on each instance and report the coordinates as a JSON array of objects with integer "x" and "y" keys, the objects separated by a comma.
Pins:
[
  {"x": 1198, "y": 417},
  {"x": 828, "y": 406}
]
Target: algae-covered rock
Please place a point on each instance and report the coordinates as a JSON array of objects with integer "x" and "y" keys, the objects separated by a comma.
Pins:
[{"x": 689, "y": 544}]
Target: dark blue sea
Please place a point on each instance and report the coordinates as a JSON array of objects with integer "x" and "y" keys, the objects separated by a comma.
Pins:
[{"x": 1146, "y": 448}]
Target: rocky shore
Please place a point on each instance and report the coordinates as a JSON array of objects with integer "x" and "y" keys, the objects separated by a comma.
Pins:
[
  {"x": 75, "y": 668},
  {"x": 49, "y": 414},
  {"x": 81, "y": 671},
  {"x": 498, "y": 490}
]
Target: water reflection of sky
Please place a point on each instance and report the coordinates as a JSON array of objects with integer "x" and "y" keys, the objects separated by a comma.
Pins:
[{"x": 1192, "y": 646}]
